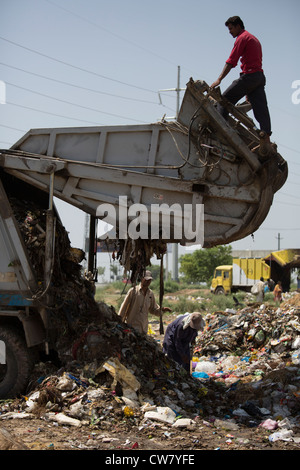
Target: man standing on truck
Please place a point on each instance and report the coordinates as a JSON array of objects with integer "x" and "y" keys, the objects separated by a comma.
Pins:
[
  {"x": 138, "y": 303},
  {"x": 251, "y": 82}
]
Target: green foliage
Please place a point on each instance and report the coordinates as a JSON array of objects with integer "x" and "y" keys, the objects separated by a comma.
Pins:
[
  {"x": 155, "y": 271},
  {"x": 199, "y": 266},
  {"x": 169, "y": 286}
]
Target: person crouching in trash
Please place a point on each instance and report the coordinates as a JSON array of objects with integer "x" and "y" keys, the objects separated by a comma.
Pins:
[{"x": 180, "y": 334}]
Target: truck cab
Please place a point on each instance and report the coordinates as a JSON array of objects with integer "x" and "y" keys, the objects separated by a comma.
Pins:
[{"x": 222, "y": 280}]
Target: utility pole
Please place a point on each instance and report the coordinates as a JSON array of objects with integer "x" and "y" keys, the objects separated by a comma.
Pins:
[
  {"x": 86, "y": 237},
  {"x": 278, "y": 240},
  {"x": 177, "y": 89},
  {"x": 175, "y": 245}
]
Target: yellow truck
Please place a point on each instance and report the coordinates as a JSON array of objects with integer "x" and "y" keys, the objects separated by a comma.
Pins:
[{"x": 245, "y": 272}]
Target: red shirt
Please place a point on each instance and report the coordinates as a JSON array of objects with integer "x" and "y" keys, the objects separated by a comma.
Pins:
[{"x": 248, "y": 48}]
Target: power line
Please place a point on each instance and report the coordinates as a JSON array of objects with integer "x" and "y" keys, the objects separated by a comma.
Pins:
[
  {"x": 51, "y": 114},
  {"x": 286, "y": 112},
  {"x": 80, "y": 87},
  {"x": 287, "y": 203},
  {"x": 13, "y": 128},
  {"x": 281, "y": 229},
  {"x": 289, "y": 148},
  {"x": 123, "y": 39},
  {"x": 73, "y": 104},
  {"x": 289, "y": 195},
  {"x": 76, "y": 67}
]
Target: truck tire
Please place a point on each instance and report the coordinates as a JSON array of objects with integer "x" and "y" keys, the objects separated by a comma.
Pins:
[
  {"x": 14, "y": 374},
  {"x": 219, "y": 291}
]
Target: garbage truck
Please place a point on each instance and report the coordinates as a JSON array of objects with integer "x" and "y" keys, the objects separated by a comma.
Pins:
[
  {"x": 241, "y": 275},
  {"x": 198, "y": 159},
  {"x": 245, "y": 272}
]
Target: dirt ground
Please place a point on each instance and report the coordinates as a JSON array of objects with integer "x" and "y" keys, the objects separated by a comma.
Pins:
[{"x": 40, "y": 435}]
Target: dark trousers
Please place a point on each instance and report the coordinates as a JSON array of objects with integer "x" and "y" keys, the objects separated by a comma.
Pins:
[{"x": 252, "y": 85}]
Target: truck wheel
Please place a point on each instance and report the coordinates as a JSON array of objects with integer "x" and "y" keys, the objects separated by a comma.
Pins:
[
  {"x": 14, "y": 374},
  {"x": 219, "y": 291}
]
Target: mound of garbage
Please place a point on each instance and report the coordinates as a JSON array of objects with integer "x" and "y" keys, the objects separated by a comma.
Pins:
[
  {"x": 112, "y": 374},
  {"x": 254, "y": 355},
  {"x": 245, "y": 363},
  {"x": 71, "y": 291}
]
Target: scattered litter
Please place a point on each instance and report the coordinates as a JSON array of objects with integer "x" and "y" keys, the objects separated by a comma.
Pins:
[
  {"x": 63, "y": 419},
  {"x": 284, "y": 435},
  {"x": 226, "y": 424},
  {"x": 163, "y": 414},
  {"x": 183, "y": 423}
]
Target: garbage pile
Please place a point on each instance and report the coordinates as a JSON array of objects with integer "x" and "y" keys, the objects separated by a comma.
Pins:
[
  {"x": 267, "y": 328},
  {"x": 254, "y": 355},
  {"x": 105, "y": 371},
  {"x": 98, "y": 354},
  {"x": 71, "y": 291},
  {"x": 245, "y": 363},
  {"x": 111, "y": 375},
  {"x": 94, "y": 347}
]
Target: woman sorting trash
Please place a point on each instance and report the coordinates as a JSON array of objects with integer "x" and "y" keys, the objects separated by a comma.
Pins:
[{"x": 180, "y": 334}]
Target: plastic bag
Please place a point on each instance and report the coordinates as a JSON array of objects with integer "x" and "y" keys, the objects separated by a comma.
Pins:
[
  {"x": 284, "y": 435},
  {"x": 164, "y": 414},
  {"x": 206, "y": 366},
  {"x": 296, "y": 357},
  {"x": 254, "y": 289},
  {"x": 269, "y": 424}
]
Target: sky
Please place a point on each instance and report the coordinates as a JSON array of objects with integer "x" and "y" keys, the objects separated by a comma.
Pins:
[{"x": 94, "y": 62}]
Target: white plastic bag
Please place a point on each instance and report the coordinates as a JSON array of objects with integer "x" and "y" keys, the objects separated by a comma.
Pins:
[
  {"x": 206, "y": 366},
  {"x": 163, "y": 414},
  {"x": 254, "y": 289},
  {"x": 284, "y": 435}
]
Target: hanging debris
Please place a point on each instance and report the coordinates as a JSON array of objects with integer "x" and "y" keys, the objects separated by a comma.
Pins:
[{"x": 135, "y": 255}]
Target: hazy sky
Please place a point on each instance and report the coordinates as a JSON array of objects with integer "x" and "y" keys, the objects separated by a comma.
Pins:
[{"x": 93, "y": 62}]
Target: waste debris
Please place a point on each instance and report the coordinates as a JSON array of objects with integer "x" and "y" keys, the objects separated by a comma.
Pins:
[
  {"x": 112, "y": 374},
  {"x": 135, "y": 255},
  {"x": 70, "y": 291},
  {"x": 245, "y": 366},
  {"x": 253, "y": 354}
]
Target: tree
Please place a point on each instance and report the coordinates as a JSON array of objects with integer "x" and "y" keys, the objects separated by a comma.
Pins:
[
  {"x": 199, "y": 266},
  {"x": 114, "y": 269},
  {"x": 101, "y": 271}
]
